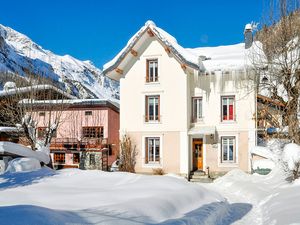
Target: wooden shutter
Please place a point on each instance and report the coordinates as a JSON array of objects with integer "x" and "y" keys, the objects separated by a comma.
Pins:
[
  {"x": 158, "y": 98},
  {"x": 146, "y": 150},
  {"x": 146, "y": 109},
  {"x": 147, "y": 70}
]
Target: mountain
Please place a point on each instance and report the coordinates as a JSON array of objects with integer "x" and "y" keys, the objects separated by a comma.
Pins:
[{"x": 20, "y": 55}]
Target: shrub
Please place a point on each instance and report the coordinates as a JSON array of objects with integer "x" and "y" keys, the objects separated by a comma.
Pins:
[{"x": 128, "y": 155}]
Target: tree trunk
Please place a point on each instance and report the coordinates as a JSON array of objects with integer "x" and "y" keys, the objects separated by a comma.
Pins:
[{"x": 292, "y": 119}]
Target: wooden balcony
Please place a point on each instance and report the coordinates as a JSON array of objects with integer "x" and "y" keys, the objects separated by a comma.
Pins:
[{"x": 75, "y": 144}]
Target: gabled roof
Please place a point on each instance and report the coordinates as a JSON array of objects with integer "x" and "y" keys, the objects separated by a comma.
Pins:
[{"x": 184, "y": 56}]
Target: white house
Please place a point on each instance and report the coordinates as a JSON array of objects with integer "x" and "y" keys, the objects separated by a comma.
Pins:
[{"x": 185, "y": 109}]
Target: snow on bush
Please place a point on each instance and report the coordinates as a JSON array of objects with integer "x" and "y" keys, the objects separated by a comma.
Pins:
[
  {"x": 23, "y": 165},
  {"x": 291, "y": 157}
]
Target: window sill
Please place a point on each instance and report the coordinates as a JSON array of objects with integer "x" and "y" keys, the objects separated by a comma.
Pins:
[
  {"x": 152, "y": 122},
  {"x": 228, "y": 164},
  {"x": 199, "y": 121},
  {"x": 152, "y": 83},
  {"x": 152, "y": 165},
  {"x": 229, "y": 122}
]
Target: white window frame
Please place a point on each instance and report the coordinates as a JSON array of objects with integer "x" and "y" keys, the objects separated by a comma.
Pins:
[
  {"x": 227, "y": 104},
  {"x": 155, "y": 140},
  {"x": 199, "y": 103},
  {"x": 228, "y": 138},
  {"x": 152, "y": 164},
  {"x": 155, "y": 114},
  {"x": 152, "y": 63},
  {"x": 228, "y": 163}
]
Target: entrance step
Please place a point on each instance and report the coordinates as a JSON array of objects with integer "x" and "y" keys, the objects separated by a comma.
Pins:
[
  {"x": 201, "y": 180},
  {"x": 199, "y": 176}
]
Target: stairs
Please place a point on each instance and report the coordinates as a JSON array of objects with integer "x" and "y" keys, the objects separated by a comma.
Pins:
[{"x": 199, "y": 176}]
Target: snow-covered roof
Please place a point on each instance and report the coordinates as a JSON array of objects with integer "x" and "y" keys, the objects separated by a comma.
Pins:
[
  {"x": 8, "y": 129},
  {"x": 73, "y": 102},
  {"x": 39, "y": 87},
  {"x": 224, "y": 58},
  {"x": 165, "y": 38}
]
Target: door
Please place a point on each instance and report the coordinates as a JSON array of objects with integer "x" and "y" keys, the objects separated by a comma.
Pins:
[{"x": 198, "y": 154}]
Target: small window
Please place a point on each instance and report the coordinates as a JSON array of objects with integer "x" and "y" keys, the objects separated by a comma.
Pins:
[
  {"x": 76, "y": 158},
  {"x": 228, "y": 108},
  {"x": 152, "y": 150},
  {"x": 42, "y": 114},
  {"x": 41, "y": 132},
  {"x": 88, "y": 113},
  {"x": 59, "y": 157},
  {"x": 92, "y": 160},
  {"x": 197, "y": 109},
  {"x": 228, "y": 147},
  {"x": 152, "y": 108},
  {"x": 93, "y": 132},
  {"x": 152, "y": 70}
]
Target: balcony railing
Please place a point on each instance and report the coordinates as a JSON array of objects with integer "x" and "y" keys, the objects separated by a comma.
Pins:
[{"x": 75, "y": 144}]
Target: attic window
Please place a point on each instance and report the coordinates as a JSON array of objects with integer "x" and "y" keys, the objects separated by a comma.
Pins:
[
  {"x": 41, "y": 113},
  {"x": 88, "y": 113},
  {"x": 152, "y": 70}
]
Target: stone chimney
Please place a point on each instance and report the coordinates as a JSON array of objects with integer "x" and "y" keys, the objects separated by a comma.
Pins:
[{"x": 248, "y": 36}]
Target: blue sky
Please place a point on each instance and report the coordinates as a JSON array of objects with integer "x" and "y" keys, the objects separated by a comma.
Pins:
[{"x": 98, "y": 30}]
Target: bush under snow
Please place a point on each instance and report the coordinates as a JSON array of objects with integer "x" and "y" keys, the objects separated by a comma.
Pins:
[
  {"x": 23, "y": 165},
  {"x": 291, "y": 157}
]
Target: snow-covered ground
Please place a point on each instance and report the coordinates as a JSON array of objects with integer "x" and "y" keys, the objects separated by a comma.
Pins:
[{"x": 75, "y": 196}]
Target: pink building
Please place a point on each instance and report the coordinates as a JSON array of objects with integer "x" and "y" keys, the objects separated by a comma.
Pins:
[{"x": 87, "y": 136}]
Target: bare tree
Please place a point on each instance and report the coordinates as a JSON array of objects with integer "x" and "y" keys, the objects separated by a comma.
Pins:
[
  {"x": 276, "y": 60},
  {"x": 24, "y": 107},
  {"x": 128, "y": 155}
]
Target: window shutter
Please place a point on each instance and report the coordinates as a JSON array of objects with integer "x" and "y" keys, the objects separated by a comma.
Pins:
[
  {"x": 146, "y": 109},
  {"x": 146, "y": 150},
  {"x": 158, "y": 98},
  {"x": 147, "y": 70}
]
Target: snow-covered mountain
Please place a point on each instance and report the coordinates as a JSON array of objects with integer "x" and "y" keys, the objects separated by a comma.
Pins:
[{"x": 20, "y": 55}]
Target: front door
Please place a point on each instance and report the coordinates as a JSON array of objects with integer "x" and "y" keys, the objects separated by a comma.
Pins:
[{"x": 197, "y": 154}]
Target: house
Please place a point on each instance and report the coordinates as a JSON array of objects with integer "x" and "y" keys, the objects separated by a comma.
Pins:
[
  {"x": 87, "y": 136},
  {"x": 185, "y": 109}
]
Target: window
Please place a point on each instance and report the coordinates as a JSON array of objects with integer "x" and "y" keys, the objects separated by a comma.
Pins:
[
  {"x": 93, "y": 132},
  {"x": 88, "y": 113},
  {"x": 152, "y": 150},
  {"x": 76, "y": 158},
  {"x": 152, "y": 108},
  {"x": 59, "y": 157},
  {"x": 228, "y": 108},
  {"x": 228, "y": 149},
  {"x": 152, "y": 70},
  {"x": 41, "y": 132},
  {"x": 197, "y": 109},
  {"x": 42, "y": 113},
  {"x": 92, "y": 160}
]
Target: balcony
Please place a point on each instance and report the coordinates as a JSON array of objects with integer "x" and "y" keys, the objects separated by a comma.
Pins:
[{"x": 77, "y": 145}]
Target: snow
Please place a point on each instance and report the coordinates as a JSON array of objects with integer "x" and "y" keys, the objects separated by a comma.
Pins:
[
  {"x": 78, "y": 77},
  {"x": 9, "y": 129},
  {"x": 291, "y": 155},
  {"x": 23, "y": 165},
  {"x": 263, "y": 164},
  {"x": 263, "y": 152},
  {"x": 223, "y": 58},
  {"x": 20, "y": 150},
  {"x": 73, "y": 196}
]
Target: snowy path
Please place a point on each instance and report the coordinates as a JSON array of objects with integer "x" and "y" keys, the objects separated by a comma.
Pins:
[{"x": 248, "y": 215}]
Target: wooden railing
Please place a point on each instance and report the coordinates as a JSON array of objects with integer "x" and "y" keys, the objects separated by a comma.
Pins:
[{"x": 75, "y": 144}]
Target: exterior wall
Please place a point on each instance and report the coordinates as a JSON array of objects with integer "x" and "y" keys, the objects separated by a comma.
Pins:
[
  {"x": 172, "y": 88},
  {"x": 72, "y": 121},
  {"x": 85, "y": 161},
  {"x": 211, "y": 88},
  {"x": 170, "y": 155}
]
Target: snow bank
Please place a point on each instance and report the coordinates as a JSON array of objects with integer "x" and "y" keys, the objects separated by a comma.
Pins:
[
  {"x": 263, "y": 164},
  {"x": 291, "y": 155},
  {"x": 23, "y": 165},
  {"x": 94, "y": 197},
  {"x": 21, "y": 150}
]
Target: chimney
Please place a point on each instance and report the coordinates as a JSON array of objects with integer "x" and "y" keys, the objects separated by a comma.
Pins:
[{"x": 248, "y": 36}]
